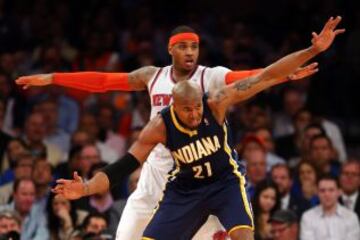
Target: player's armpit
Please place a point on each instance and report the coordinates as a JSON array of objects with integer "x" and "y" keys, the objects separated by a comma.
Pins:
[
  {"x": 139, "y": 78},
  {"x": 153, "y": 133}
]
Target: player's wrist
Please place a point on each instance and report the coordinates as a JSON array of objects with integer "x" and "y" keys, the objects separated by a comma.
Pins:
[{"x": 86, "y": 189}]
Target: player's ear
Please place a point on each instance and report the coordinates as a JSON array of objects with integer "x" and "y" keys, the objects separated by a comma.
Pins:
[{"x": 170, "y": 50}]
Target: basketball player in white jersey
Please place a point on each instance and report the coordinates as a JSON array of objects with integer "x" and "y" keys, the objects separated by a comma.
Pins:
[{"x": 184, "y": 50}]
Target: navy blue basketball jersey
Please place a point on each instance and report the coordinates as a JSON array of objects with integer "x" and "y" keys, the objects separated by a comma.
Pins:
[{"x": 201, "y": 155}]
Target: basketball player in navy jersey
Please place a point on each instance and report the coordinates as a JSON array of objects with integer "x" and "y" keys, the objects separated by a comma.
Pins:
[
  {"x": 159, "y": 81},
  {"x": 206, "y": 178}
]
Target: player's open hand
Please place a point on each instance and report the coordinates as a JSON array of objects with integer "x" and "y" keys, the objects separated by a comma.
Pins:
[
  {"x": 304, "y": 72},
  {"x": 70, "y": 189},
  {"x": 322, "y": 41},
  {"x": 34, "y": 80}
]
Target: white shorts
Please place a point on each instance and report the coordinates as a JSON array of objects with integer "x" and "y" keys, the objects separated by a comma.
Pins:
[{"x": 140, "y": 207}]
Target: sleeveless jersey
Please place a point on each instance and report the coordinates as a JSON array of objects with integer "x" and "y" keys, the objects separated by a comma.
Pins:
[
  {"x": 202, "y": 155},
  {"x": 160, "y": 87}
]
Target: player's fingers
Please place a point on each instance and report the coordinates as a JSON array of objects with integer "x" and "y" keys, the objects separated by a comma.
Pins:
[
  {"x": 339, "y": 31},
  {"x": 63, "y": 181},
  {"x": 328, "y": 24},
  {"x": 77, "y": 177},
  {"x": 315, "y": 35},
  {"x": 335, "y": 22}
]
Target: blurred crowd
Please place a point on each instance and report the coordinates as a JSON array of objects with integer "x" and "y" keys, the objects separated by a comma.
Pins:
[{"x": 300, "y": 141}]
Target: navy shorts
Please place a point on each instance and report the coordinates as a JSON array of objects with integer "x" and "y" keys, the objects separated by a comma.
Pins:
[{"x": 181, "y": 213}]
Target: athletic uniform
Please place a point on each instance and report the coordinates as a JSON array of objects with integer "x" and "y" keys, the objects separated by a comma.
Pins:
[
  {"x": 206, "y": 179},
  {"x": 142, "y": 202}
]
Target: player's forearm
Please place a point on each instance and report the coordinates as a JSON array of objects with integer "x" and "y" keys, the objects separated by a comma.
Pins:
[
  {"x": 93, "y": 81},
  {"x": 287, "y": 65}
]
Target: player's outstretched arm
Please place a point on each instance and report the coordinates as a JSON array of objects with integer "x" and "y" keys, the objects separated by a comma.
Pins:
[
  {"x": 153, "y": 133},
  {"x": 224, "y": 97},
  {"x": 93, "y": 81}
]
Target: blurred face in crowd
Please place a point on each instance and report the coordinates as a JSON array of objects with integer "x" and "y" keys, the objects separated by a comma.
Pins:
[
  {"x": 59, "y": 203},
  {"x": 251, "y": 146},
  {"x": 350, "y": 177},
  {"x": 307, "y": 173},
  {"x": 184, "y": 55},
  {"x": 8, "y": 224},
  {"x": 256, "y": 166},
  {"x": 265, "y": 135},
  {"x": 281, "y": 177},
  {"x": 15, "y": 149},
  {"x": 321, "y": 151},
  {"x": 4, "y": 86},
  {"x": 89, "y": 156},
  {"x": 308, "y": 135},
  {"x": 35, "y": 128},
  {"x": 88, "y": 124},
  {"x": 284, "y": 231},
  {"x": 293, "y": 102},
  {"x": 24, "y": 197},
  {"x": 267, "y": 200},
  {"x": 328, "y": 193},
  {"x": 105, "y": 118},
  {"x": 24, "y": 167},
  {"x": 49, "y": 110},
  {"x": 42, "y": 172},
  {"x": 302, "y": 120},
  {"x": 96, "y": 225},
  {"x": 80, "y": 138}
]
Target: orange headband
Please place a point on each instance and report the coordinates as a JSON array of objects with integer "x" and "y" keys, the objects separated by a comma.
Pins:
[{"x": 183, "y": 36}]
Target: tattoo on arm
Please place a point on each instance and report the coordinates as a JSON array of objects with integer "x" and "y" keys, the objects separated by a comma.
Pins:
[
  {"x": 245, "y": 84},
  {"x": 221, "y": 95},
  {"x": 139, "y": 78}
]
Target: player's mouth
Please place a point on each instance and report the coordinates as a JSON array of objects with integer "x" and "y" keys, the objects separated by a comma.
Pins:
[{"x": 189, "y": 62}]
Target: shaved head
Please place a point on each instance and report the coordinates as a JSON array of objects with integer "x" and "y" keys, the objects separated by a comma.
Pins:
[
  {"x": 186, "y": 92},
  {"x": 188, "y": 103}
]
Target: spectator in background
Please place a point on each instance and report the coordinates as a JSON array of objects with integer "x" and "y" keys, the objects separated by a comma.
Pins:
[
  {"x": 67, "y": 168},
  {"x": 106, "y": 120},
  {"x": 62, "y": 217},
  {"x": 293, "y": 101},
  {"x": 252, "y": 142},
  {"x": 23, "y": 168},
  {"x": 54, "y": 135},
  {"x": 322, "y": 155},
  {"x": 329, "y": 220},
  {"x": 42, "y": 176},
  {"x": 89, "y": 156},
  {"x": 80, "y": 138},
  {"x": 307, "y": 186},
  {"x": 4, "y": 137},
  {"x": 104, "y": 202},
  {"x": 289, "y": 146},
  {"x": 265, "y": 202},
  {"x": 35, "y": 139},
  {"x": 95, "y": 223},
  {"x": 350, "y": 185},
  {"x": 271, "y": 158},
  {"x": 88, "y": 124},
  {"x": 15, "y": 148},
  {"x": 10, "y": 225},
  {"x": 255, "y": 168},
  {"x": 33, "y": 221},
  {"x": 284, "y": 225},
  {"x": 281, "y": 175}
]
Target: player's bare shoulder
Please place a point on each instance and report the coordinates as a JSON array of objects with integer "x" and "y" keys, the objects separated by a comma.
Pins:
[{"x": 139, "y": 78}]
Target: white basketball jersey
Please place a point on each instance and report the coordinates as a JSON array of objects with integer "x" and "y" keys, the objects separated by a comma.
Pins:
[{"x": 160, "y": 87}]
